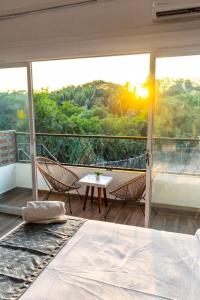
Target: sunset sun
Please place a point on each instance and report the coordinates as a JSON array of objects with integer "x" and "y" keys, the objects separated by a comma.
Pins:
[{"x": 142, "y": 91}]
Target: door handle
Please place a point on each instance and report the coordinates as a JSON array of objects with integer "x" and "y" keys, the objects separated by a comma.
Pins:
[{"x": 148, "y": 156}]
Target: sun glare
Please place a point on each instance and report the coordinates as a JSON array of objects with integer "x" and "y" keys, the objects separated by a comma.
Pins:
[{"x": 142, "y": 92}]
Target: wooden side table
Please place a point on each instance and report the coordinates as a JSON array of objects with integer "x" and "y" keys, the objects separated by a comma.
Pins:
[{"x": 101, "y": 183}]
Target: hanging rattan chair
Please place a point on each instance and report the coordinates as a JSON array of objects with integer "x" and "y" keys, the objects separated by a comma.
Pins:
[
  {"x": 132, "y": 191},
  {"x": 58, "y": 178}
]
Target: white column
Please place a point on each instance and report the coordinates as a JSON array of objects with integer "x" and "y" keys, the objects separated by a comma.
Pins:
[
  {"x": 32, "y": 132},
  {"x": 149, "y": 142}
]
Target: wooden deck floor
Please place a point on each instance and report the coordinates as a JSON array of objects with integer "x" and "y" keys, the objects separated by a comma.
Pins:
[{"x": 120, "y": 213}]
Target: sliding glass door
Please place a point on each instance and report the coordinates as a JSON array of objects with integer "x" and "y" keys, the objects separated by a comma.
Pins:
[
  {"x": 176, "y": 145},
  {"x": 91, "y": 115},
  {"x": 15, "y": 154}
]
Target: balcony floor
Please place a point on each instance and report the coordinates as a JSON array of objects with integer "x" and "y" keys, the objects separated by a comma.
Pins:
[{"x": 123, "y": 214}]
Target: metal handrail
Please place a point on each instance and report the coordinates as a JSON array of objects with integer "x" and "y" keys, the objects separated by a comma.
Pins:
[
  {"x": 87, "y": 136},
  {"x": 126, "y": 137}
]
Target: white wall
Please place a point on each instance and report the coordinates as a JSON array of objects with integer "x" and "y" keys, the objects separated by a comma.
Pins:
[
  {"x": 7, "y": 178},
  {"x": 23, "y": 175},
  {"x": 179, "y": 190},
  {"x": 168, "y": 189},
  {"x": 113, "y": 27}
]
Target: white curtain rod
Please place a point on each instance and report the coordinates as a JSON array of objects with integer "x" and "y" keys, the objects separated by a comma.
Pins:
[{"x": 50, "y": 8}]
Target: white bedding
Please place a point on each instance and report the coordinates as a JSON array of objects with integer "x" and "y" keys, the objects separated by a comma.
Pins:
[{"x": 110, "y": 261}]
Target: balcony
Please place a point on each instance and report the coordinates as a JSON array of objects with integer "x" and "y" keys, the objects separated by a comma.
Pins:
[
  {"x": 83, "y": 154},
  {"x": 175, "y": 173}
]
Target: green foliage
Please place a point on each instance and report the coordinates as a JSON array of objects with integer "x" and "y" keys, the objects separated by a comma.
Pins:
[
  {"x": 177, "y": 111},
  {"x": 10, "y": 104},
  {"x": 97, "y": 173},
  {"x": 97, "y": 107},
  {"x": 106, "y": 108},
  {"x": 103, "y": 108}
]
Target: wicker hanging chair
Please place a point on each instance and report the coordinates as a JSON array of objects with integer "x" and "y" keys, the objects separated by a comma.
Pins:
[{"x": 58, "y": 178}]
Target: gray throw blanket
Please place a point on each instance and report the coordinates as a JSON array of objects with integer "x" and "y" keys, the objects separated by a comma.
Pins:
[{"x": 27, "y": 251}]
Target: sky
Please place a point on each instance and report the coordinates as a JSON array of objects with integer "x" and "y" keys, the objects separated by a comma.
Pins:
[
  {"x": 184, "y": 67},
  {"x": 118, "y": 69},
  {"x": 58, "y": 73}
]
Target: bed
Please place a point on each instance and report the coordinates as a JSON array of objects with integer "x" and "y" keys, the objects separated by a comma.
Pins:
[{"x": 111, "y": 261}]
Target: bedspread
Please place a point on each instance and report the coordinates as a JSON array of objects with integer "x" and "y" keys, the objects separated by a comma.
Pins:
[{"x": 117, "y": 262}]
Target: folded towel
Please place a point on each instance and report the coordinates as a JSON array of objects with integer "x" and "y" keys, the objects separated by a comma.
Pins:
[
  {"x": 61, "y": 219},
  {"x": 42, "y": 210},
  {"x": 44, "y": 203}
]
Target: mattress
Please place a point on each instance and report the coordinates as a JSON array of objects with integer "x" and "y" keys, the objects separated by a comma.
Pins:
[{"x": 111, "y": 261}]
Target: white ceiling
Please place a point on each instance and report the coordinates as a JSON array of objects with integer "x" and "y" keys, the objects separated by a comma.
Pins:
[
  {"x": 15, "y": 6},
  {"x": 103, "y": 28}
]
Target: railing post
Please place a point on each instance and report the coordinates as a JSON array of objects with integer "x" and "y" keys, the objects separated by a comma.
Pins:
[
  {"x": 20, "y": 155},
  {"x": 42, "y": 150},
  {"x": 16, "y": 146}
]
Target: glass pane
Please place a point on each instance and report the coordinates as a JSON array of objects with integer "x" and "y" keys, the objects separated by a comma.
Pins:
[
  {"x": 176, "y": 145},
  {"x": 15, "y": 168}
]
